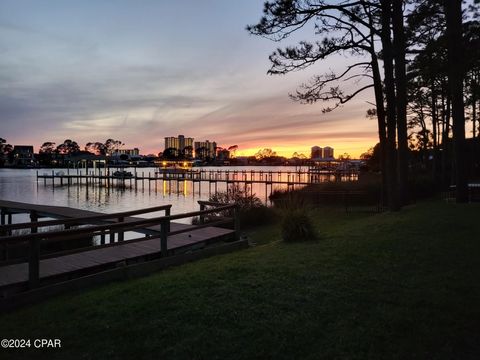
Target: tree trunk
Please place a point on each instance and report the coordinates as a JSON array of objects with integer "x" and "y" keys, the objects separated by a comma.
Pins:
[
  {"x": 393, "y": 200},
  {"x": 447, "y": 146},
  {"x": 435, "y": 128},
  {"x": 453, "y": 14},
  {"x": 382, "y": 132},
  {"x": 474, "y": 86},
  {"x": 380, "y": 107},
  {"x": 444, "y": 138},
  {"x": 401, "y": 98}
]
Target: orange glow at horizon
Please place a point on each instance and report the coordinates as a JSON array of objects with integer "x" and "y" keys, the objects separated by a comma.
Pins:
[{"x": 354, "y": 149}]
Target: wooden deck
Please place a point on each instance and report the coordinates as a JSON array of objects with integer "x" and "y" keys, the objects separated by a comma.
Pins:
[
  {"x": 109, "y": 256},
  {"x": 163, "y": 239}
]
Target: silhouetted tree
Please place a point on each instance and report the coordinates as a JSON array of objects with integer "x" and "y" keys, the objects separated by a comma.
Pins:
[
  {"x": 68, "y": 147},
  {"x": 399, "y": 52},
  {"x": 351, "y": 27},
  {"x": 47, "y": 147},
  {"x": 372, "y": 158},
  {"x": 456, "y": 69},
  {"x": 5, "y": 151},
  {"x": 97, "y": 148},
  {"x": 112, "y": 145},
  {"x": 46, "y": 153},
  {"x": 233, "y": 150},
  {"x": 170, "y": 153},
  {"x": 187, "y": 152},
  {"x": 471, "y": 32},
  {"x": 300, "y": 156},
  {"x": 263, "y": 154},
  {"x": 201, "y": 153},
  {"x": 344, "y": 156}
]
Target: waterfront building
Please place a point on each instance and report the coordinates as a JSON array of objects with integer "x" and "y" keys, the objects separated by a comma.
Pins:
[
  {"x": 23, "y": 155},
  {"x": 129, "y": 152}
]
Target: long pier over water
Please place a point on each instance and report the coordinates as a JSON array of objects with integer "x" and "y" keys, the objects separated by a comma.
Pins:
[{"x": 268, "y": 178}]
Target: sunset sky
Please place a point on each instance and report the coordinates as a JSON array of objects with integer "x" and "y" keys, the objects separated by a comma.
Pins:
[{"x": 142, "y": 70}]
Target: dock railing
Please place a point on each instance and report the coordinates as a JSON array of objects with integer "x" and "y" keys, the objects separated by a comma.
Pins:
[
  {"x": 34, "y": 224},
  {"x": 36, "y": 239}
]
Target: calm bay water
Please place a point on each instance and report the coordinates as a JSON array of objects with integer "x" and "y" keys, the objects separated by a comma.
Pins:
[{"x": 21, "y": 185}]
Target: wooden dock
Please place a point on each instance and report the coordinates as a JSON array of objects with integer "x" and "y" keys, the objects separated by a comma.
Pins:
[
  {"x": 267, "y": 178},
  {"x": 160, "y": 237}
]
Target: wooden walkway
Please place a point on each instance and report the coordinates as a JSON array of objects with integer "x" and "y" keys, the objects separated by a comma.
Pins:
[
  {"x": 164, "y": 238},
  {"x": 109, "y": 256}
]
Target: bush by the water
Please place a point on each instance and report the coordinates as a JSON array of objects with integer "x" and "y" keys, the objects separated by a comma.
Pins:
[
  {"x": 252, "y": 211},
  {"x": 238, "y": 196}
]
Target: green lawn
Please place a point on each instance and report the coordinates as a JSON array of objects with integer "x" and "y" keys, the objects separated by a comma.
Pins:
[{"x": 386, "y": 286}]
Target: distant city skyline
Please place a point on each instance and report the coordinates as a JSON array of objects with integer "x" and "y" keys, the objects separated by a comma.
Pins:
[{"x": 92, "y": 70}]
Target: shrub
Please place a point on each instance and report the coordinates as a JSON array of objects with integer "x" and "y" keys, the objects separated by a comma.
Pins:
[
  {"x": 297, "y": 226},
  {"x": 296, "y": 222},
  {"x": 238, "y": 196},
  {"x": 252, "y": 211}
]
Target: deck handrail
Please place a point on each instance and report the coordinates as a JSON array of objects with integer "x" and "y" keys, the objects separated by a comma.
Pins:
[
  {"x": 79, "y": 220},
  {"x": 124, "y": 226},
  {"x": 209, "y": 203},
  {"x": 221, "y": 221}
]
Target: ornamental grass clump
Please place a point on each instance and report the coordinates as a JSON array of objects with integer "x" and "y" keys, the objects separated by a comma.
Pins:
[
  {"x": 297, "y": 226},
  {"x": 296, "y": 222}
]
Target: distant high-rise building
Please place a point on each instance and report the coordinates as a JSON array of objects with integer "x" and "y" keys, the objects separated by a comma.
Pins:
[
  {"x": 205, "y": 149},
  {"x": 171, "y": 142},
  {"x": 327, "y": 152},
  {"x": 317, "y": 153},
  {"x": 187, "y": 147},
  {"x": 182, "y": 145}
]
